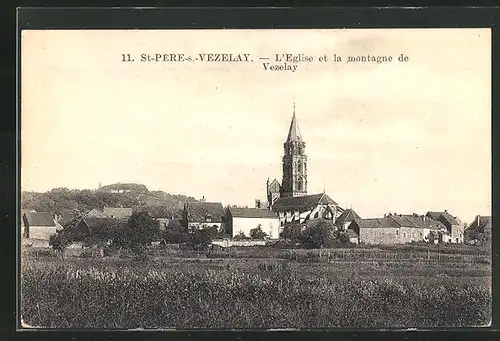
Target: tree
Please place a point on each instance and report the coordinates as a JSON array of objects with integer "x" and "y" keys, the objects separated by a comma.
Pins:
[
  {"x": 319, "y": 234},
  {"x": 292, "y": 233},
  {"x": 58, "y": 242},
  {"x": 176, "y": 233},
  {"x": 213, "y": 231},
  {"x": 257, "y": 233},
  {"x": 342, "y": 238},
  {"x": 140, "y": 231},
  {"x": 200, "y": 239}
]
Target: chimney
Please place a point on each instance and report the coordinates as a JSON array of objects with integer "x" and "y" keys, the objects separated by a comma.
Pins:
[
  {"x": 445, "y": 211},
  {"x": 257, "y": 203},
  {"x": 478, "y": 219},
  {"x": 100, "y": 184}
]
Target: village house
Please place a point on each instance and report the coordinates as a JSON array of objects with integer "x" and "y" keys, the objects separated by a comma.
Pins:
[
  {"x": 243, "y": 220},
  {"x": 39, "y": 225},
  {"x": 346, "y": 218},
  {"x": 396, "y": 229},
  {"x": 117, "y": 212},
  {"x": 202, "y": 214},
  {"x": 453, "y": 225},
  {"x": 479, "y": 231}
]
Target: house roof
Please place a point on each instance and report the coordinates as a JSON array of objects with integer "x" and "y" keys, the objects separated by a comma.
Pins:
[
  {"x": 422, "y": 222},
  {"x": 117, "y": 212},
  {"x": 397, "y": 221},
  {"x": 443, "y": 217},
  {"x": 347, "y": 216},
  {"x": 304, "y": 201},
  {"x": 95, "y": 213},
  {"x": 198, "y": 211},
  {"x": 479, "y": 223},
  {"x": 376, "y": 223},
  {"x": 243, "y": 212},
  {"x": 94, "y": 222},
  {"x": 294, "y": 131},
  {"x": 39, "y": 219}
]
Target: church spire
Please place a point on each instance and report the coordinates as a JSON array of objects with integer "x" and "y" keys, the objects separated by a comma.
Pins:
[{"x": 294, "y": 131}]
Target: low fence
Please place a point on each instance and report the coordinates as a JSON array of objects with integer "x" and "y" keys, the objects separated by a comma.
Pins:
[
  {"x": 347, "y": 255},
  {"x": 258, "y": 250},
  {"x": 232, "y": 243}
]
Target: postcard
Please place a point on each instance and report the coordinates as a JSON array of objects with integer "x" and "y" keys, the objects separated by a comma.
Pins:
[{"x": 255, "y": 179}]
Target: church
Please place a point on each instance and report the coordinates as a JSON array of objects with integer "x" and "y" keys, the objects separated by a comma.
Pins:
[{"x": 290, "y": 200}]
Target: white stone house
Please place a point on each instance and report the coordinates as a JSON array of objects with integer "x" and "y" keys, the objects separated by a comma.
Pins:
[{"x": 243, "y": 220}]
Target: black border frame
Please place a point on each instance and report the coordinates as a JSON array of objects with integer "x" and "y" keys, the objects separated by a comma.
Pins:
[{"x": 262, "y": 18}]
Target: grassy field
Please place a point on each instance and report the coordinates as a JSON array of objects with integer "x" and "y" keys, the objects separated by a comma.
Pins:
[{"x": 179, "y": 289}]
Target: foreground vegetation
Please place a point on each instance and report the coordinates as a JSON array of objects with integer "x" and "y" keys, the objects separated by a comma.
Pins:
[{"x": 250, "y": 293}]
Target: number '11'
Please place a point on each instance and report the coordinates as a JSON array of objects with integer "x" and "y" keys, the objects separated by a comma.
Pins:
[{"x": 126, "y": 58}]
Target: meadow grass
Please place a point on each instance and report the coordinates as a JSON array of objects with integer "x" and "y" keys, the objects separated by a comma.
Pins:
[{"x": 104, "y": 293}]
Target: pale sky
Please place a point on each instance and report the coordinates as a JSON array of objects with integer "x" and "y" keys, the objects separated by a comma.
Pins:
[{"x": 399, "y": 137}]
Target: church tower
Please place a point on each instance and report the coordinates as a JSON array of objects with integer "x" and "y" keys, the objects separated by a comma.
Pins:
[{"x": 294, "y": 182}]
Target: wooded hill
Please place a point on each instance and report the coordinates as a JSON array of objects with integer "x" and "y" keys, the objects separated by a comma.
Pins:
[{"x": 136, "y": 196}]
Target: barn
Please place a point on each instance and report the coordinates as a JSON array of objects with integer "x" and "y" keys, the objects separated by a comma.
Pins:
[{"x": 39, "y": 225}]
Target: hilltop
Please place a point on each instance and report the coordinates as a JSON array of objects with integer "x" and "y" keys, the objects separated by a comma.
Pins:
[{"x": 136, "y": 196}]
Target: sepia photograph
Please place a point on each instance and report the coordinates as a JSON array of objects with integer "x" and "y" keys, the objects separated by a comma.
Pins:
[{"x": 255, "y": 179}]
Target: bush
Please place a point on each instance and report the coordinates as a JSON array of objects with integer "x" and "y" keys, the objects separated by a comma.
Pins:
[
  {"x": 200, "y": 239},
  {"x": 292, "y": 233},
  {"x": 319, "y": 234},
  {"x": 175, "y": 233},
  {"x": 58, "y": 242},
  {"x": 241, "y": 236},
  {"x": 257, "y": 233}
]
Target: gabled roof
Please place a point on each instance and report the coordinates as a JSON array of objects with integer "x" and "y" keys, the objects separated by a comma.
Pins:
[
  {"x": 294, "y": 131},
  {"x": 397, "y": 221},
  {"x": 376, "y": 223},
  {"x": 39, "y": 219},
  {"x": 94, "y": 222},
  {"x": 423, "y": 222},
  {"x": 304, "y": 201},
  {"x": 244, "y": 212},
  {"x": 347, "y": 216},
  {"x": 117, "y": 212},
  {"x": 95, "y": 213},
  {"x": 443, "y": 217},
  {"x": 479, "y": 223},
  {"x": 199, "y": 211}
]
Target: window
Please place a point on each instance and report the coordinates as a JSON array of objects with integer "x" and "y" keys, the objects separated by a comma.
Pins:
[
  {"x": 404, "y": 234},
  {"x": 397, "y": 233}
]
